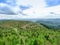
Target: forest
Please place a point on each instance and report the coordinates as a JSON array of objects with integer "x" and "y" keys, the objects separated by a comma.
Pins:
[{"x": 14, "y": 32}]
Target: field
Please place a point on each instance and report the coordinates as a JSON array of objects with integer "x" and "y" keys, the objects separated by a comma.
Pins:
[{"x": 13, "y": 32}]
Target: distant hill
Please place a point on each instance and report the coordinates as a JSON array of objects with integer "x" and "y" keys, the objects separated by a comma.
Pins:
[{"x": 50, "y": 23}]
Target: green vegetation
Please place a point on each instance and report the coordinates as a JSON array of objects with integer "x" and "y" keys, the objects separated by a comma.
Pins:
[{"x": 27, "y": 33}]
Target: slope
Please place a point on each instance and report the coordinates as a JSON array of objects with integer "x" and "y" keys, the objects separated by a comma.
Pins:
[{"x": 14, "y": 32}]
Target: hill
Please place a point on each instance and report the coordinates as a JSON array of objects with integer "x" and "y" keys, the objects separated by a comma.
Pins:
[
  {"x": 50, "y": 23},
  {"x": 14, "y": 32}
]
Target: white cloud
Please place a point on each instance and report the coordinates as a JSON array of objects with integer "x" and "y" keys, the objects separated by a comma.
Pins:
[
  {"x": 38, "y": 10},
  {"x": 44, "y": 12},
  {"x": 13, "y": 9}
]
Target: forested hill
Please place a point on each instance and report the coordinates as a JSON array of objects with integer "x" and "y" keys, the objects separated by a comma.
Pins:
[{"x": 14, "y": 32}]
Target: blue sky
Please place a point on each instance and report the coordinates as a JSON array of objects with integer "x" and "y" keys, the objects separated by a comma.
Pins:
[
  {"x": 52, "y": 2},
  {"x": 16, "y": 9},
  {"x": 10, "y": 2}
]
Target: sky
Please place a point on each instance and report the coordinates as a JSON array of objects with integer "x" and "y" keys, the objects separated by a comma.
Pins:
[{"x": 27, "y": 9}]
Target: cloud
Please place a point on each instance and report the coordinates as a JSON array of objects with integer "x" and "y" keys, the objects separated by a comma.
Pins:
[
  {"x": 30, "y": 9},
  {"x": 10, "y": 7},
  {"x": 44, "y": 12},
  {"x": 6, "y": 9},
  {"x": 23, "y": 7}
]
